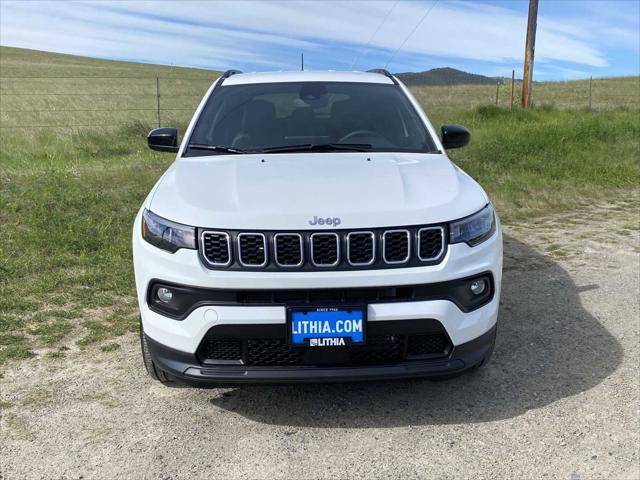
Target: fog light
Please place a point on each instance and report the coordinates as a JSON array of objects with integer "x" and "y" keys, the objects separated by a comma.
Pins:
[
  {"x": 478, "y": 286},
  {"x": 164, "y": 295}
]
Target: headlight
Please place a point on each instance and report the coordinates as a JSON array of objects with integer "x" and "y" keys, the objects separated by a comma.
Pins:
[
  {"x": 165, "y": 234},
  {"x": 474, "y": 229}
]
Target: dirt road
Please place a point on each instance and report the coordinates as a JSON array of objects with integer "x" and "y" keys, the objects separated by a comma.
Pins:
[{"x": 560, "y": 398}]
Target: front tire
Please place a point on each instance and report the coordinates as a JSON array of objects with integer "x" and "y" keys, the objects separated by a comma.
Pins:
[{"x": 152, "y": 369}]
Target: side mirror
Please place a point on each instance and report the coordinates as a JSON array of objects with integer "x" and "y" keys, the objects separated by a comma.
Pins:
[
  {"x": 454, "y": 136},
  {"x": 163, "y": 140}
]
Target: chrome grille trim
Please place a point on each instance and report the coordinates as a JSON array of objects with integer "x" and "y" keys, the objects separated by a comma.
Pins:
[
  {"x": 311, "y": 246},
  {"x": 264, "y": 247},
  {"x": 442, "y": 243},
  {"x": 275, "y": 249},
  {"x": 373, "y": 253},
  {"x": 351, "y": 249},
  {"x": 384, "y": 244},
  {"x": 227, "y": 237}
]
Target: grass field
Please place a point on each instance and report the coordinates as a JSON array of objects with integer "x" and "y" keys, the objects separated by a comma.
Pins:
[
  {"x": 92, "y": 93},
  {"x": 606, "y": 93},
  {"x": 68, "y": 196},
  {"x": 41, "y": 88}
]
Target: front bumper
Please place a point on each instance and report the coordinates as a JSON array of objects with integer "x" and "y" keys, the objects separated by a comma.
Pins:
[
  {"x": 186, "y": 367},
  {"x": 174, "y": 343}
]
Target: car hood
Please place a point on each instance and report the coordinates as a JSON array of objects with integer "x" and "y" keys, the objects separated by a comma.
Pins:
[{"x": 286, "y": 191}]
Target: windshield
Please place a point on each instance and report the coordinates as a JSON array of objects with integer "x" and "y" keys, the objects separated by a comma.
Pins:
[{"x": 311, "y": 116}]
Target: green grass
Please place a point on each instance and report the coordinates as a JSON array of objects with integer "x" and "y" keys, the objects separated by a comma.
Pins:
[
  {"x": 66, "y": 215},
  {"x": 68, "y": 197},
  {"x": 547, "y": 160},
  {"x": 606, "y": 93},
  {"x": 43, "y": 88}
]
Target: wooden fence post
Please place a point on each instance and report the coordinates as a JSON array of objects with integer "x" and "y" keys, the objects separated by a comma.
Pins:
[
  {"x": 158, "y": 99},
  {"x": 513, "y": 81},
  {"x": 590, "y": 82},
  {"x": 497, "y": 91}
]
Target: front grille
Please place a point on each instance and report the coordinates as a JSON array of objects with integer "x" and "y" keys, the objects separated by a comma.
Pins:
[
  {"x": 222, "y": 349},
  {"x": 379, "y": 349},
  {"x": 324, "y": 250},
  {"x": 252, "y": 249},
  {"x": 427, "y": 344},
  {"x": 396, "y": 246},
  {"x": 271, "y": 352},
  {"x": 361, "y": 248},
  {"x": 276, "y": 352},
  {"x": 288, "y": 249},
  {"x": 430, "y": 243},
  {"x": 216, "y": 248}
]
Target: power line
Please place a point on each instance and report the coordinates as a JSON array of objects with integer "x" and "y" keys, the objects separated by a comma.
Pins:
[
  {"x": 412, "y": 32},
  {"x": 373, "y": 35}
]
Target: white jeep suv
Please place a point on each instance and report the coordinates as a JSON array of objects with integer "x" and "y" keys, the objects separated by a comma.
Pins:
[{"x": 312, "y": 229}]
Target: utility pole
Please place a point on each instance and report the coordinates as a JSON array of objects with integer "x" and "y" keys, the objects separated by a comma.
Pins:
[{"x": 528, "y": 53}]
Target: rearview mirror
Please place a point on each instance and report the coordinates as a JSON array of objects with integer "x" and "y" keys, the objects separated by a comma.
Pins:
[
  {"x": 454, "y": 136},
  {"x": 163, "y": 140}
]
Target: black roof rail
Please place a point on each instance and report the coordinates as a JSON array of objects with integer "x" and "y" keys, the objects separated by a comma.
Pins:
[
  {"x": 227, "y": 74},
  {"x": 386, "y": 73}
]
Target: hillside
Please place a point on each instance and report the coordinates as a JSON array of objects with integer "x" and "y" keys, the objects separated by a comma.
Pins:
[
  {"x": 57, "y": 90},
  {"x": 444, "y": 76},
  {"x": 42, "y": 90},
  {"x": 22, "y": 62}
]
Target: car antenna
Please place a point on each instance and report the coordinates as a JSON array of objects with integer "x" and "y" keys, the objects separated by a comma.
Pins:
[{"x": 302, "y": 62}]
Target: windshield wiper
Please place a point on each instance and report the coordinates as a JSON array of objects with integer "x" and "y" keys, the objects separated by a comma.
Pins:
[
  {"x": 319, "y": 147},
  {"x": 215, "y": 148}
]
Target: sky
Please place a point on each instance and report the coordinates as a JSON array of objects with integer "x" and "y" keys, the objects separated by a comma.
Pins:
[{"x": 575, "y": 38}]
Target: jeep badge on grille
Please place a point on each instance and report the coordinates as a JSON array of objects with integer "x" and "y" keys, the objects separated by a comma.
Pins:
[{"x": 334, "y": 221}]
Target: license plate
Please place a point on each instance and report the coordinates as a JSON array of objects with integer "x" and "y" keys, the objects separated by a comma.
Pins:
[{"x": 326, "y": 327}]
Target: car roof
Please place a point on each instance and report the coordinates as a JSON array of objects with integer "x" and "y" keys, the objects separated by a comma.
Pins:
[{"x": 306, "y": 76}]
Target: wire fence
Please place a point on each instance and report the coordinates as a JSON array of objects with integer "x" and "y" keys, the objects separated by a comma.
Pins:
[
  {"x": 590, "y": 94},
  {"x": 97, "y": 101},
  {"x": 112, "y": 101}
]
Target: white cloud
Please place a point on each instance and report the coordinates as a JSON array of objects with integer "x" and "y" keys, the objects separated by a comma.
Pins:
[{"x": 267, "y": 35}]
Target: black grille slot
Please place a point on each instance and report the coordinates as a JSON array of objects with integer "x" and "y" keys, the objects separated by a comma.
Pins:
[
  {"x": 237, "y": 345},
  {"x": 272, "y": 352},
  {"x": 216, "y": 248},
  {"x": 221, "y": 349},
  {"x": 379, "y": 349},
  {"x": 288, "y": 249},
  {"x": 361, "y": 249},
  {"x": 325, "y": 249},
  {"x": 430, "y": 243},
  {"x": 396, "y": 246},
  {"x": 252, "y": 249},
  {"x": 428, "y": 344}
]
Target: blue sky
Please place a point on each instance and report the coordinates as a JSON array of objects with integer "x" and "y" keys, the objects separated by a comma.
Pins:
[{"x": 575, "y": 39}]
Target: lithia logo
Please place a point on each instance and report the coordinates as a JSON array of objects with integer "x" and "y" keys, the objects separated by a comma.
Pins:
[
  {"x": 334, "y": 221},
  {"x": 326, "y": 342}
]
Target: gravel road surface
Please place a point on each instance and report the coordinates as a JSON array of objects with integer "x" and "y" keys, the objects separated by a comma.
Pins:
[{"x": 560, "y": 398}]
